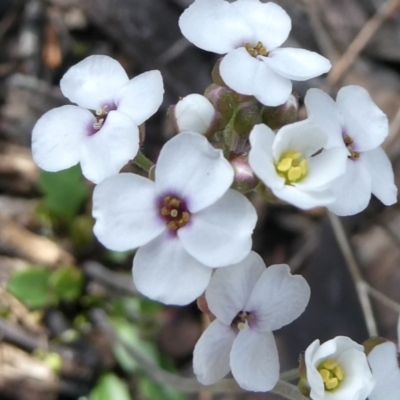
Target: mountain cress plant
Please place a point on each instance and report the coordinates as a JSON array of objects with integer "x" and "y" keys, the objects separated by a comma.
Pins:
[{"x": 190, "y": 219}]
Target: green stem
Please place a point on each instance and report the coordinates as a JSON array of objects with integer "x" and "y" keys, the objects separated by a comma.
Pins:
[{"x": 143, "y": 162}]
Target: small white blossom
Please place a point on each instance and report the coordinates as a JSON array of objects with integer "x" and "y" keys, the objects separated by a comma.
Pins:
[
  {"x": 338, "y": 370},
  {"x": 355, "y": 123},
  {"x": 384, "y": 362},
  {"x": 292, "y": 164},
  {"x": 194, "y": 113},
  {"x": 104, "y": 140},
  {"x": 249, "y": 302},
  {"x": 185, "y": 223},
  {"x": 250, "y": 32}
]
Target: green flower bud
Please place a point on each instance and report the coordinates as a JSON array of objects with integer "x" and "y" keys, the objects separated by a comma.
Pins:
[
  {"x": 245, "y": 119},
  {"x": 244, "y": 180},
  {"x": 276, "y": 117}
]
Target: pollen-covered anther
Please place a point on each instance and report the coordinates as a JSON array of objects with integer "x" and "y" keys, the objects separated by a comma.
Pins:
[
  {"x": 175, "y": 213},
  {"x": 240, "y": 320},
  {"x": 292, "y": 167},
  {"x": 348, "y": 141},
  {"x": 332, "y": 374},
  {"x": 258, "y": 50}
]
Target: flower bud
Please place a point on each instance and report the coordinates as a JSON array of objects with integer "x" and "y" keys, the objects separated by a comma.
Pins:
[
  {"x": 193, "y": 113},
  {"x": 244, "y": 179},
  {"x": 245, "y": 119},
  {"x": 276, "y": 117},
  {"x": 215, "y": 75},
  {"x": 372, "y": 342},
  {"x": 223, "y": 100}
]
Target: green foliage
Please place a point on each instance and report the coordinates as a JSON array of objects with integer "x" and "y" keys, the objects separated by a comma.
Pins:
[
  {"x": 39, "y": 287},
  {"x": 64, "y": 192},
  {"x": 151, "y": 390},
  {"x": 130, "y": 335},
  {"x": 110, "y": 387},
  {"x": 31, "y": 287}
]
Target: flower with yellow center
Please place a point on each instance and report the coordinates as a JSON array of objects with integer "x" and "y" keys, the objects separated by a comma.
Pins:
[
  {"x": 294, "y": 164},
  {"x": 338, "y": 369}
]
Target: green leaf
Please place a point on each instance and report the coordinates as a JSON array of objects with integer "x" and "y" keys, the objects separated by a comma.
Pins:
[
  {"x": 66, "y": 283},
  {"x": 31, "y": 287},
  {"x": 110, "y": 387},
  {"x": 64, "y": 191},
  {"x": 129, "y": 334},
  {"x": 151, "y": 390}
]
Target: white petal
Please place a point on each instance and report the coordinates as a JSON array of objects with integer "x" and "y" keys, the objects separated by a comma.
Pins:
[
  {"x": 386, "y": 371},
  {"x": 125, "y": 210},
  {"x": 314, "y": 378},
  {"x": 214, "y": 25},
  {"x": 270, "y": 22},
  {"x": 211, "y": 353},
  {"x": 334, "y": 347},
  {"x": 278, "y": 298},
  {"x": 220, "y": 235},
  {"x": 352, "y": 190},
  {"x": 260, "y": 157},
  {"x": 58, "y": 135},
  {"x": 248, "y": 75},
  {"x": 191, "y": 168},
  {"x": 254, "y": 360},
  {"x": 324, "y": 168},
  {"x": 297, "y": 64},
  {"x": 304, "y": 199},
  {"x": 365, "y": 123},
  {"x": 358, "y": 382},
  {"x": 194, "y": 113},
  {"x": 105, "y": 152},
  {"x": 164, "y": 271},
  {"x": 323, "y": 111},
  {"x": 230, "y": 288},
  {"x": 382, "y": 177},
  {"x": 141, "y": 97},
  {"x": 93, "y": 82},
  {"x": 302, "y": 136}
]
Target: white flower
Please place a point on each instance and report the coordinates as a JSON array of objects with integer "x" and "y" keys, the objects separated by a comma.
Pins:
[
  {"x": 185, "y": 223},
  {"x": 194, "y": 113},
  {"x": 338, "y": 370},
  {"x": 104, "y": 141},
  {"x": 251, "y": 32},
  {"x": 355, "y": 123},
  {"x": 384, "y": 362},
  {"x": 292, "y": 164},
  {"x": 249, "y": 302}
]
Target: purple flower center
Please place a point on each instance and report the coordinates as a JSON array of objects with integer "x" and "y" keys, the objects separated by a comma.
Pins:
[
  {"x": 101, "y": 116},
  {"x": 174, "y": 212}
]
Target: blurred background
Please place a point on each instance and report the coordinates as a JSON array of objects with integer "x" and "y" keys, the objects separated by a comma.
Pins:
[{"x": 72, "y": 326}]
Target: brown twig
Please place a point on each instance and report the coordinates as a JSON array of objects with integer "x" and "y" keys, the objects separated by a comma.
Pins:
[
  {"x": 360, "y": 41},
  {"x": 359, "y": 282}
]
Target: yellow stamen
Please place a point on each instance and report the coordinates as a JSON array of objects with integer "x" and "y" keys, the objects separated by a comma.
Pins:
[
  {"x": 258, "y": 50},
  {"x": 292, "y": 167},
  {"x": 331, "y": 383},
  {"x": 285, "y": 164},
  {"x": 331, "y": 373}
]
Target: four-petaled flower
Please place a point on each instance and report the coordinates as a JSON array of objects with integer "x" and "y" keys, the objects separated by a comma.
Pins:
[
  {"x": 294, "y": 165},
  {"x": 249, "y": 302},
  {"x": 103, "y": 141},
  {"x": 251, "y": 32},
  {"x": 384, "y": 362},
  {"x": 185, "y": 223},
  {"x": 356, "y": 124},
  {"x": 338, "y": 370}
]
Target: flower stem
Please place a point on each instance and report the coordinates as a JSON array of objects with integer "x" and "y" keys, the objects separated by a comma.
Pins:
[{"x": 143, "y": 162}]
